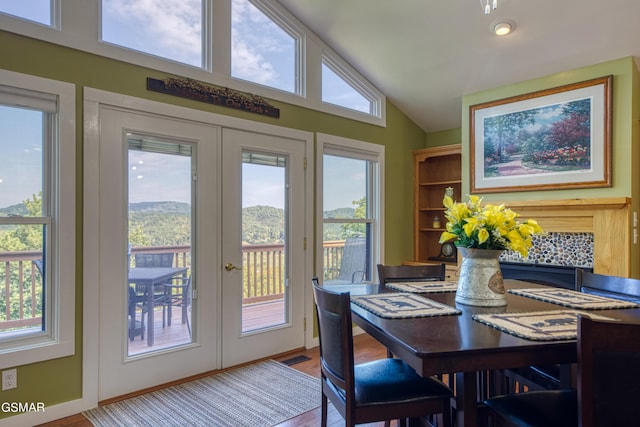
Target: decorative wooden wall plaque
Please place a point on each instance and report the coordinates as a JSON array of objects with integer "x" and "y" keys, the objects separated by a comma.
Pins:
[{"x": 224, "y": 97}]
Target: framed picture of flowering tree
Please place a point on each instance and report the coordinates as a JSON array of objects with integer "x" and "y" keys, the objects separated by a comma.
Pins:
[{"x": 557, "y": 138}]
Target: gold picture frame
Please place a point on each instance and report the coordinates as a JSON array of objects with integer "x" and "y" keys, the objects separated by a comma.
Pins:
[{"x": 557, "y": 138}]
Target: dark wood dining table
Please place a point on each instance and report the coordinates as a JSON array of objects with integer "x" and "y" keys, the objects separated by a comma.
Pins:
[
  {"x": 145, "y": 279},
  {"x": 459, "y": 345}
]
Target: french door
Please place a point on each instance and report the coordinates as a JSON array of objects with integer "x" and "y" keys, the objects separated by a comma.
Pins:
[
  {"x": 262, "y": 245},
  {"x": 228, "y": 207}
]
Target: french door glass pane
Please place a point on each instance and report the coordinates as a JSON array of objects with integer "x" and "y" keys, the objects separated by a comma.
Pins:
[
  {"x": 160, "y": 244},
  {"x": 264, "y": 220}
]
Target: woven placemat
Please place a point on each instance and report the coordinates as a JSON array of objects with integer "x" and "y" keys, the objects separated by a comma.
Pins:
[
  {"x": 402, "y": 305},
  {"x": 420, "y": 287},
  {"x": 574, "y": 299},
  {"x": 538, "y": 325}
]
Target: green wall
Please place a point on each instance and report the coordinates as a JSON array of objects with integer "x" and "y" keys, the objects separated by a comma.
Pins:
[
  {"x": 624, "y": 74},
  {"x": 60, "y": 380},
  {"x": 624, "y": 143},
  {"x": 625, "y": 135},
  {"x": 443, "y": 137}
]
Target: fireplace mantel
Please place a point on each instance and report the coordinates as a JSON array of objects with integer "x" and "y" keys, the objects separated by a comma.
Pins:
[{"x": 609, "y": 220}]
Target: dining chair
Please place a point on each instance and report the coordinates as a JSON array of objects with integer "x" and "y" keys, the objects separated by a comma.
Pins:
[
  {"x": 387, "y": 273},
  {"x": 381, "y": 390},
  {"x": 397, "y": 273},
  {"x": 608, "y": 384},
  {"x": 623, "y": 288},
  {"x": 534, "y": 377}
]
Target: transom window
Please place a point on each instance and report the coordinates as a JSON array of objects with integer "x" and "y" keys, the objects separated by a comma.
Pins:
[
  {"x": 262, "y": 51},
  {"x": 169, "y": 29},
  {"x": 337, "y": 90},
  {"x": 40, "y": 11},
  {"x": 254, "y": 46}
]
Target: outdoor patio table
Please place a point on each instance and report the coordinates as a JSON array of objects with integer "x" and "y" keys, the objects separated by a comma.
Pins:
[{"x": 145, "y": 279}]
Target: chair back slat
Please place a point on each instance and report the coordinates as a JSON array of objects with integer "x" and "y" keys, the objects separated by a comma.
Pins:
[
  {"x": 154, "y": 260},
  {"x": 388, "y": 273},
  {"x": 623, "y": 288}
]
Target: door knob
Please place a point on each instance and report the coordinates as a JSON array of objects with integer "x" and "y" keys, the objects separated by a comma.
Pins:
[{"x": 228, "y": 266}]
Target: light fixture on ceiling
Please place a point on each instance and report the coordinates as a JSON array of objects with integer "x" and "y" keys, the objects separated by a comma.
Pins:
[
  {"x": 487, "y": 6},
  {"x": 502, "y": 28}
]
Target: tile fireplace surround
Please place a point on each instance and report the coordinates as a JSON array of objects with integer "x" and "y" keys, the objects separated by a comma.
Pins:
[
  {"x": 563, "y": 249},
  {"x": 594, "y": 233}
]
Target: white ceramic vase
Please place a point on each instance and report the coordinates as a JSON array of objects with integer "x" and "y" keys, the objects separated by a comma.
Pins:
[{"x": 480, "y": 280}]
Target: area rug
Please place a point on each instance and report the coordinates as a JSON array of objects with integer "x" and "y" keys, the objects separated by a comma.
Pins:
[
  {"x": 403, "y": 305},
  {"x": 259, "y": 395},
  {"x": 432, "y": 286},
  {"x": 574, "y": 299},
  {"x": 538, "y": 325}
]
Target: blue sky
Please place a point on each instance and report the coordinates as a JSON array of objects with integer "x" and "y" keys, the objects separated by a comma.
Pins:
[
  {"x": 173, "y": 29},
  {"x": 21, "y": 148}
]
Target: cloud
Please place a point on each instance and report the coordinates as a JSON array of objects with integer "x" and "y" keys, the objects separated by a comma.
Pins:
[{"x": 172, "y": 29}]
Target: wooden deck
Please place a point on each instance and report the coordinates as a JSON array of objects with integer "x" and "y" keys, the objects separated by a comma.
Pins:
[{"x": 254, "y": 316}]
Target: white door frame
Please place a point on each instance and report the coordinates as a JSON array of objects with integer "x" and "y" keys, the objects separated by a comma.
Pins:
[{"x": 93, "y": 99}]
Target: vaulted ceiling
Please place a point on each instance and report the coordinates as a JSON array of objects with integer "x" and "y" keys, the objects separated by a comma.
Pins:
[{"x": 424, "y": 55}]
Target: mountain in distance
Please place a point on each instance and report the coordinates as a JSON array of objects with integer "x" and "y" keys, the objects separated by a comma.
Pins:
[
  {"x": 167, "y": 223},
  {"x": 14, "y": 210},
  {"x": 160, "y": 207}
]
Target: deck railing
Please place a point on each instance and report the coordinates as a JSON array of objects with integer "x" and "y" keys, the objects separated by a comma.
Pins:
[{"x": 262, "y": 274}]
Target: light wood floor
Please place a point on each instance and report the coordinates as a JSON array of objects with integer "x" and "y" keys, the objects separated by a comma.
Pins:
[{"x": 366, "y": 348}]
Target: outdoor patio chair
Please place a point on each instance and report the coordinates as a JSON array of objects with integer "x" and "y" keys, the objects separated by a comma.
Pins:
[
  {"x": 154, "y": 260},
  {"x": 136, "y": 327},
  {"x": 160, "y": 292},
  {"x": 176, "y": 294},
  {"x": 353, "y": 265},
  {"x": 380, "y": 390}
]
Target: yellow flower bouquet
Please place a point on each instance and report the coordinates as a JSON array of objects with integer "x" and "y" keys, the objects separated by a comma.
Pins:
[{"x": 487, "y": 227}]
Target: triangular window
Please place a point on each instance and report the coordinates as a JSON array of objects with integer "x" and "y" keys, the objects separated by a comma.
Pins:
[
  {"x": 264, "y": 49},
  {"x": 339, "y": 88}
]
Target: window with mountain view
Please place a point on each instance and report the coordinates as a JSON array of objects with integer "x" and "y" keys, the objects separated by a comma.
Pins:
[
  {"x": 37, "y": 255},
  {"x": 351, "y": 223},
  {"x": 25, "y": 223}
]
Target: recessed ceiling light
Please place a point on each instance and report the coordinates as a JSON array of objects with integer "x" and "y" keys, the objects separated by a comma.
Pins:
[{"x": 503, "y": 28}]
